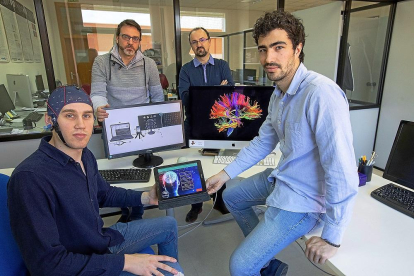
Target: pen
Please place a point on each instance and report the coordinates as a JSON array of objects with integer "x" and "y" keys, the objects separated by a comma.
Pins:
[{"x": 371, "y": 160}]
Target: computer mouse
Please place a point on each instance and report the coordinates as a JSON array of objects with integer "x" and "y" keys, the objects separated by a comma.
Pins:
[{"x": 182, "y": 159}]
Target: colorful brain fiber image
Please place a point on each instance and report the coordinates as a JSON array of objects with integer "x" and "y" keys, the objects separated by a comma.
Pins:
[{"x": 230, "y": 110}]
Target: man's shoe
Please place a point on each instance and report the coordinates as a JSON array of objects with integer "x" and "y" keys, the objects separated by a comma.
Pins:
[
  {"x": 275, "y": 268},
  {"x": 221, "y": 207},
  {"x": 193, "y": 215}
]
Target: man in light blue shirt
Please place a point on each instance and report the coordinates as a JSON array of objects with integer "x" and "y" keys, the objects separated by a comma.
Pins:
[{"x": 316, "y": 179}]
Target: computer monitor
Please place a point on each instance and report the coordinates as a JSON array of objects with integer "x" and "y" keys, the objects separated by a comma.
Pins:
[
  {"x": 39, "y": 83},
  {"x": 20, "y": 90},
  {"x": 245, "y": 76},
  {"x": 144, "y": 129},
  {"x": 249, "y": 75},
  {"x": 226, "y": 117},
  {"x": 400, "y": 164},
  {"x": 6, "y": 103}
]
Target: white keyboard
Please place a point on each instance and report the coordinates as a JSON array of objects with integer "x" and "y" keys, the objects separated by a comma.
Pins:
[{"x": 268, "y": 161}]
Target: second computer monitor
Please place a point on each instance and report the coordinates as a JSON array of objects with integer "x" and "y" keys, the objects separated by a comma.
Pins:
[
  {"x": 6, "y": 103},
  {"x": 143, "y": 129},
  {"x": 400, "y": 164},
  {"x": 39, "y": 83},
  {"x": 226, "y": 117},
  {"x": 20, "y": 90}
]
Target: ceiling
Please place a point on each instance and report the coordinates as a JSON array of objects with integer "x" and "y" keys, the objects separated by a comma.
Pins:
[{"x": 253, "y": 5}]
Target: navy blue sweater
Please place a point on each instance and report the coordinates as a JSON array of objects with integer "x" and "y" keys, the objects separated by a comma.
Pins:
[
  {"x": 54, "y": 214},
  {"x": 194, "y": 76}
]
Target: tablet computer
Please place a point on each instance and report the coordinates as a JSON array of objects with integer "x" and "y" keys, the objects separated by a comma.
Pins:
[{"x": 180, "y": 184}]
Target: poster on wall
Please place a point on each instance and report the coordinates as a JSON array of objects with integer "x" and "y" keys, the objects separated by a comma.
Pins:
[
  {"x": 12, "y": 32},
  {"x": 33, "y": 35},
  {"x": 25, "y": 37},
  {"x": 4, "y": 51}
]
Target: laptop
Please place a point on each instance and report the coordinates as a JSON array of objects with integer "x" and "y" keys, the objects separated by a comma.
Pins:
[
  {"x": 180, "y": 184},
  {"x": 121, "y": 132}
]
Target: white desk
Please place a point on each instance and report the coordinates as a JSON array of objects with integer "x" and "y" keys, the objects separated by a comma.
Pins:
[
  {"x": 170, "y": 157},
  {"x": 377, "y": 241}
]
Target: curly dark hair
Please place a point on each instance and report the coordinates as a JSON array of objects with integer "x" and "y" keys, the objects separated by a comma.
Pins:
[
  {"x": 128, "y": 22},
  {"x": 281, "y": 20}
]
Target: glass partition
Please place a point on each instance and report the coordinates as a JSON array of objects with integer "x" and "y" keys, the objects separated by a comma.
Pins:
[
  {"x": 366, "y": 40},
  {"x": 78, "y": 31},
  {"x": 23, "y": 83},
  {"x": 229, "y": 23},
  {"x": 85, "y": 29}
]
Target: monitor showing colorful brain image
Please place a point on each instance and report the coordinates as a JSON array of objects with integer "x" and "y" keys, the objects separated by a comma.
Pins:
[{"x": 232, "y": 109}]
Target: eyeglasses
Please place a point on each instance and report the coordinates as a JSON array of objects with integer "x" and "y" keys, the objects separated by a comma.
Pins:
[
  {"x": 201, "y": 40},
  {"x": 135, "y": 39}
]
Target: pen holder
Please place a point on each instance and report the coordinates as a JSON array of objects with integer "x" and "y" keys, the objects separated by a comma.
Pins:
[{"x": 367, "y": 170}]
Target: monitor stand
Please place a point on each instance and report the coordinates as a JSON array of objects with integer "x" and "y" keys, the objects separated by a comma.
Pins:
[{"x": 147, "y": 160}]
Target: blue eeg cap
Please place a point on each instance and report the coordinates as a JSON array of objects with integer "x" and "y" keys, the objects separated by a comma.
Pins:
[{"x": 64, "y": 95}]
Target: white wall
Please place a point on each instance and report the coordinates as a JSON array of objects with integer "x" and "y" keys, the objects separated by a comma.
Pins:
[
  {"x": 31, "y": 69},
  {"x": 322, "y": 28},
  {"x": 323, "y": 32},
  {"x": 363, "y": 123},
  {"x": 398, "y": 98}
]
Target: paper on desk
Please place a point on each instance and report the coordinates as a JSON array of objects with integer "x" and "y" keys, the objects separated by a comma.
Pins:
[
  {"x": 17, "y": 131},
  {"x": 18, "y": 120},
  {"x": 42, "y": 109}
]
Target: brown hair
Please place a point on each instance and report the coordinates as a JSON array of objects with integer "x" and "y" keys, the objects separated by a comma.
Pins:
[
  {"x": 196, "y": 29},
  {"x": 128, "y": 22}
]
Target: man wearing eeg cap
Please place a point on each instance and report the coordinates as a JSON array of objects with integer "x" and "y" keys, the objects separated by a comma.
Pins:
[
  {"x": 56, "y": 103},
  {"x": 54, "y": 198}
]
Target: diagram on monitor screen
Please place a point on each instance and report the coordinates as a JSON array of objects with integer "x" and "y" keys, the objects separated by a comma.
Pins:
[
  {"x": 121, "y": 131},
  {"x": 149, "y": 127},
  {"x": 231, "y": 109}
]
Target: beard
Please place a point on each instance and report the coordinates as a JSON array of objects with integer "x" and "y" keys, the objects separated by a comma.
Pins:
[
  {"x": 201, "y": 52},
  {"x": 277, "y": 77},
  {"x": 129, "y": 50}
]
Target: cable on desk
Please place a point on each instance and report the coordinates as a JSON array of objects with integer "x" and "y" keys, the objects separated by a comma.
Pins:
[
  {"x": 313, "y": 263},
  {"x": 199, "y": 223}
]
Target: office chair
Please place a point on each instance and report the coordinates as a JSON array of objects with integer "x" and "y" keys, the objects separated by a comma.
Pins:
[
  {"x": 11, "y": 262},
  {"x": 164, "y": 81},
  {"x": 87, "y": 88}
]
